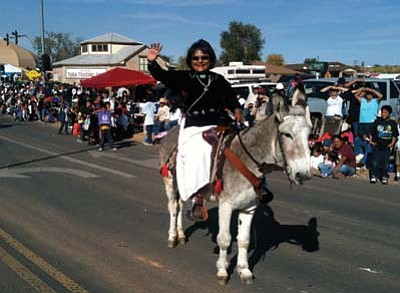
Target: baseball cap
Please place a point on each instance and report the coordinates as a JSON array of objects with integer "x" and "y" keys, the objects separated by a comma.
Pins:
[{"x": 327, "y": 142}]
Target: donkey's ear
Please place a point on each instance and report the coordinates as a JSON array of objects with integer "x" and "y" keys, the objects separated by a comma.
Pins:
[
  {"x": 299, "y": 98},
  {"x": 278, "y": 117}
]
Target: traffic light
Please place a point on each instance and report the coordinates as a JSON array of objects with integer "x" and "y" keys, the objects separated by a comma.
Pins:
[
  {"x": 46, "y": 63},
  {"x": 7, "y": 39}
]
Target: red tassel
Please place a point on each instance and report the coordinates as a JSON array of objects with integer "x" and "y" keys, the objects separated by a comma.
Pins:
[
  {"x": 218, "y": 186},
  {"x": 164, "y": 171}
]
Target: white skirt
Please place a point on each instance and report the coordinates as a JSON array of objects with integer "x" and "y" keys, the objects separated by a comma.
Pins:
[{"x": 193, "y": 160}]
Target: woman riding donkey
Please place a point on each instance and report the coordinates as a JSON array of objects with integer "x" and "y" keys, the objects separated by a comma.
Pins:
[{"x": 207, "y": 100}]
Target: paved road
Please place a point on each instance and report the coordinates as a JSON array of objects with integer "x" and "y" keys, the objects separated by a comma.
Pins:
[{"x": 76, "y": 220}]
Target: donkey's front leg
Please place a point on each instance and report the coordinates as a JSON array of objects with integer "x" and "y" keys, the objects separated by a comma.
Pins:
[
  {"x": 243, "y": 240},
  {"x": 224, "y": 241}
]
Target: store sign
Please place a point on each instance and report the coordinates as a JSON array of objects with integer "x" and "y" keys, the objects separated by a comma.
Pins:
[{"x": 83, "y": 73}]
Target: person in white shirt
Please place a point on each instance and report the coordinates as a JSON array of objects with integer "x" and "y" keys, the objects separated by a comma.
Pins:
[
  {"x": 316, "y": 159},
  {"x": 335, "y": 104},
  {"x": 148, "y": 111}
]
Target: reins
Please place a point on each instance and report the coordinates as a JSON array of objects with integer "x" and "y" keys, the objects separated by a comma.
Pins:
[{"x": 263, "y": 167}]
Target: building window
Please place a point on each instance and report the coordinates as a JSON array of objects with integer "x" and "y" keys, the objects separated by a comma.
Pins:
[
  {"x": 99, "y": 48},
  {"x": 84, "y": 49},
  {"x": 143, "y": 63}
]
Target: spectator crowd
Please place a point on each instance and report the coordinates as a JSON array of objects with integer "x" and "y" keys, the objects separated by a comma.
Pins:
[{"x": 368, "y": 139}]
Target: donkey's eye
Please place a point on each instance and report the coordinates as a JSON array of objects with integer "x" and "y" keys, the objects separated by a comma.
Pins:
[{"x": 288, "y": 135}]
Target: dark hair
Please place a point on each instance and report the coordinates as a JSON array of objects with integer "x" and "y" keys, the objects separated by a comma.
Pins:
[
  {"x": 317, "y": 147},
  {"x": 203, "y": 46},
  {"x": 337, "y": 136},
  {"x": 333, "y": 156},
  {"x": 387, "y": 108},
  {"x": 341, "y": 80}
]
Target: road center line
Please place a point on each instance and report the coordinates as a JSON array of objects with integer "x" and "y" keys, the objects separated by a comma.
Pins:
[
  {"x": 41, "y": 263},
  {"x": 24, "y": 273},
  {"x": 67, "y": 158}
]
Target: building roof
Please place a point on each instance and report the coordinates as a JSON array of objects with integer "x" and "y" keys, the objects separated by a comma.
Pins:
[
  {"x": 16, "y": 55},
  {"x": 112, "y": 38},
  {"x": 275, "y": 69},
  {"x": 117, "y": 58}
]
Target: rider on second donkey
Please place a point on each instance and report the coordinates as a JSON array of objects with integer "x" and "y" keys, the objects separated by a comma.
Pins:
[{"x": 207, "y": 99}]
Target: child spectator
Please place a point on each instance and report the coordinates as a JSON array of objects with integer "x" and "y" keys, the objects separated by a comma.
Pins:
[
  {"x": 383, "y": 137},
  {"x": 148, "y": 111},
  {"x": 326, "y": 146},
  {"x": 327, "y": 166},
  {"x": 104, "y": 120},
  {"x": 335, "y": 104},
  {"x": 316, "y": 158}
]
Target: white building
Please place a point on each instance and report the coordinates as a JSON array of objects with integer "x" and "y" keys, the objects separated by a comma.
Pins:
[{"x": 100, "y": 54}]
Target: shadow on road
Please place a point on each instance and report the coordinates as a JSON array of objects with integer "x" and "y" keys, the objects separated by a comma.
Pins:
[{"x": 266, "y": 234}]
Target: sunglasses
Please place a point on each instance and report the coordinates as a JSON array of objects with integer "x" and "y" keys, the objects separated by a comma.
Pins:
[{"x": 203, "y": 58}]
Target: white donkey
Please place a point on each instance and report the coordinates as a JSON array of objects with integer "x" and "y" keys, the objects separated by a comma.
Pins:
[{"x": 281, "y": 139}]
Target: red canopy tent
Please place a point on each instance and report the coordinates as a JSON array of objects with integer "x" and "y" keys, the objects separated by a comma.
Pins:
[{"x": 118, "y": 77}]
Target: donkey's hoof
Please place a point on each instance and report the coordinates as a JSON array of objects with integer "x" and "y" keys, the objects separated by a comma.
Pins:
[
  {"x": 182, "y": 240},
  {"x": 246, "y": 276},
  {"x": 222, "y": 280},
  {"x": 171, "y": 243},
  {"x": 248, "y": 281}
]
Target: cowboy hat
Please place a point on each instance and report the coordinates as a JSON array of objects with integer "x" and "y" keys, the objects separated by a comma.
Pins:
[{"x": 163, "y": 100}]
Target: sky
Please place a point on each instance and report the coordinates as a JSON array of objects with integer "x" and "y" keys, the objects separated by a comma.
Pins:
[{"x": 331, "y": 30}]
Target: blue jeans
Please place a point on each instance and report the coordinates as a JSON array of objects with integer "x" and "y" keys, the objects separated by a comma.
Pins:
[
  {"x": 379, "y": 163},
  {"x": 346, "y": 170},
  {"x": 149, "y": 134},
  {"x": 363, "y": 147},
  {"x": 364, "y": 129},
  {"x": 158, "y": 127},
  {"x": 325, "y": 169},
  {"x": 171, "y": 124}
]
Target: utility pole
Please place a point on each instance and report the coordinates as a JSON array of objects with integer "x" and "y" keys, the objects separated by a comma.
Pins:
[
  {"x": 16, "y": 36},
  {"x": 42, "y": 38},
  {"x": 7, "y": 39}
]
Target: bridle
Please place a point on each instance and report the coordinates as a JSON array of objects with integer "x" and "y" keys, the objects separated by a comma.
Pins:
[{"x": 263, "y": 167}]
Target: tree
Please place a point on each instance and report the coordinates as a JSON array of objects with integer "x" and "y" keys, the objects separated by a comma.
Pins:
[
  {"x": 59, "y": 46},
  {"x": 182, "y": 63},
  {"x": 169, "y": 59},
  {"x": 309, "y": 61},
  {"x": 242, "y": 42},
  {"x": 276, "y": 59}
]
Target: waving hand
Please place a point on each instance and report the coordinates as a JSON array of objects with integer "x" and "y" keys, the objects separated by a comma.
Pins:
[{"x": 154, "y": 51}]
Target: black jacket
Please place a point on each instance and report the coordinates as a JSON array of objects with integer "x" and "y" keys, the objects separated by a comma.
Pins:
[{"x": 211, "y": 108}]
